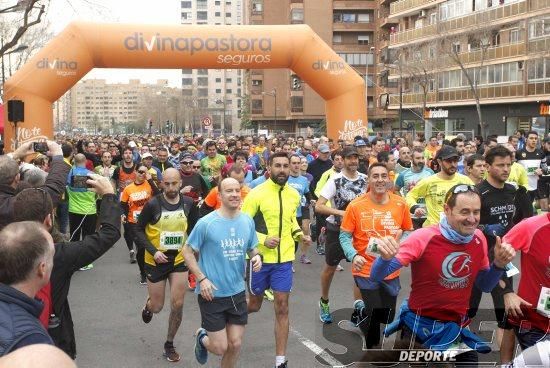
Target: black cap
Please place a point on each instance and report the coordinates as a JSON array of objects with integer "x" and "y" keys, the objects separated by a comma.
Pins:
[
  {"x": 547, "y": 140},
  {"x": 349, "y": 151},
  {"x": 447, "y": 152}
]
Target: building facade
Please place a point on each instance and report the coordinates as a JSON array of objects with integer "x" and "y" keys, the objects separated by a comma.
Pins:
[
  {"x": 349, "y": 26},
  {"x": 96, "y": 106},
  {"x": 442, "y": 54},
  {"x": 213, "y": 93}
]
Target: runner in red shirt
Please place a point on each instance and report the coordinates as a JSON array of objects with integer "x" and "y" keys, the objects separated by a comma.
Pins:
[
  {"x": 529, "y": 310},
  {"x": 446, "y": 260}
]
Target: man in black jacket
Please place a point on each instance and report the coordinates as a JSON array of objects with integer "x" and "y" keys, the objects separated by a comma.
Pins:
[
  {"x": 32, "y": 204},
  {"x": 318, "y": 166},
  {"x": 26, "y": 260},
  {"x": 9, "y": 177}
]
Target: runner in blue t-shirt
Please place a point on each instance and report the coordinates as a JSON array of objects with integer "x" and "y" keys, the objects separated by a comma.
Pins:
[
  {"x": 222, "y": 238},
  {"x": 299, "y": 182}
]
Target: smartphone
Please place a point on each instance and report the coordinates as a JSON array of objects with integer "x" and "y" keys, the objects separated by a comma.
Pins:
[
  {"x": 41, "y": 147},
  {"x": 79, "y": 181}
]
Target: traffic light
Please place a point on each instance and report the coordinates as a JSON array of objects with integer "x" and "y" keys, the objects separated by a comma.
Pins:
[{"x": 296, "y": 83}]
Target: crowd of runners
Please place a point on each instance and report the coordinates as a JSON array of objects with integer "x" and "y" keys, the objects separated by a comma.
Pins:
[{"x": 232, "y": 217}]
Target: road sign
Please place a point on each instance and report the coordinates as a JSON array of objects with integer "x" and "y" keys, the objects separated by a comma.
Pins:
[{"x": 207, "y": 122}]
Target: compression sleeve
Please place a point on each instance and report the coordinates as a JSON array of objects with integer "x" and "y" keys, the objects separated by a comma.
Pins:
[
  {"x": 487, "y": 279},
  {"x": 382, "y": 268},
  {"x": 347, "y": 245}
]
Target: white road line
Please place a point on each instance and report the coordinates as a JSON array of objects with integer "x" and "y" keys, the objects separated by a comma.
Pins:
[{"x": 316, "y": 349}]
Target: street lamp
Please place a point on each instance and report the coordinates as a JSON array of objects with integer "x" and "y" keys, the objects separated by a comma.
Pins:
[
  {"x": 397, "y": 66},
  {"x": 17, "y": 49},
  {"x": 273, "y": 93}
]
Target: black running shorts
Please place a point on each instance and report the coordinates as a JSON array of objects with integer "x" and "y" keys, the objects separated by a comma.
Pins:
[{"x": 221, "y": 311}]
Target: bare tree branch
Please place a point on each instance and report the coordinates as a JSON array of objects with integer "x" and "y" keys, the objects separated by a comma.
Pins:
[{"x": 30, "y": 18}]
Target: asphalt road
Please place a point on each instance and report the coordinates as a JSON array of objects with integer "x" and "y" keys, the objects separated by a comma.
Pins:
[{"x": 106, "y": 305}]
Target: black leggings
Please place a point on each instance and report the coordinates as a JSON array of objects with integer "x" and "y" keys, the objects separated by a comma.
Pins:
[
  {"x": 81, "y": 225},
  {"x": 140, "y": 254},
  {"x": 128, "y": 236},
  {"x": 379, "y": 308}
]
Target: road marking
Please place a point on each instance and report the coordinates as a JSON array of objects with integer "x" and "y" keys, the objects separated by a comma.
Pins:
[{"x": 316, "y": 349}]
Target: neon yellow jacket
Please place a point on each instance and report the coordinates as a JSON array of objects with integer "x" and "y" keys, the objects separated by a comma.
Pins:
[{"x": 273, "y": 209}]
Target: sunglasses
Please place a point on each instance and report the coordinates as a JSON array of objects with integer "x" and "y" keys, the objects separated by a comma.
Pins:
[
  {"x": 142, "y": 172},
  {"x": 460, "y": 188},
  {"x": 187, "y": 162}
]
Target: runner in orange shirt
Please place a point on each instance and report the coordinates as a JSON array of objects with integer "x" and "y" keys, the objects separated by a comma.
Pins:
[
  {"x": 133, "y": 199},
  {"x": 212, "y": 201},
  {"x": 374, "y": 215}
]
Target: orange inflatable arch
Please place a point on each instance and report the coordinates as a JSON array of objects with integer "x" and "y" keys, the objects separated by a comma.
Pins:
[{"x": 83, "y": 46}]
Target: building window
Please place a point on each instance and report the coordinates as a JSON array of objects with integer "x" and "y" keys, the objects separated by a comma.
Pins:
[
  {"x": 514, "y": 35},
  {"x": 228, "y": 90},
  {"x": 228, "y": 80},
  {"x": 187, "y": 71},
  {"x": 363, "y": 18},
  {"x": 370, "y": 80},
  {"x": 186, "y": 16},
  {"x": 363, "y": 39},
  {"x": 186, "y": 4},
  {"x": 187, "y": 81},
  {"x": 456, "y": 47},
  {"x": 228, "y": 15},
  {"x": 431, "y": 52},
  {"x": 370, "y": 102},
  {"x": 257, "y": 7},
  {"x": 202, "y": 81},
  {"x": 202, "y": 15},
  {"x": 218, "y": 80},
  {"x": 297, "y": 15},
  {"x": 217, "y": 14},
  {"x": 218, "y": 90},
  {"x": 538, "y": 70},
  {"x": 256, "y": 82},
  {"x": 257, "y": 106},
  {"x": 433, "y": 18},
  {"x": 202, "y": 4},
  {"x": 202, "y": 92},
  {"x": 202, "y": 103},
  {"x": 202, "y": 71},
  {"x": 297, "y": 103},
  {"x": 336, "y": 38},
  {"x": 357, "y": 59},
  {"x": 217, "y": 2}
]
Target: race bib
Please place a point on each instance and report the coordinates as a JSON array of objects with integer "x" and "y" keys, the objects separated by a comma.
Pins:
[
  {"x": 543, "y": 306},
  {"x": 172, "y": 240},
  {"x": 135, "y": 215}
]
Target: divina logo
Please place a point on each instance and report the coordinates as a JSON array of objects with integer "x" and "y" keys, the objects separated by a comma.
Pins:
[
  {"x": 333, "y": 67},
  {"x": 138, "y": 42},
  {"x": 57, "y": 64}
]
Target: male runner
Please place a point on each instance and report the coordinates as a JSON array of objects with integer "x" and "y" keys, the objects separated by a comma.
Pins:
[
  {"x": 163, "y": 226},
  {"x": 273, "y": 206},
  {"x": 221, "y": 239},
  {"x": 299, "y": 182},
  {"x": 340, "y": 190},
  {"x": 530, "y": 157},
  {"x": 378, "y": 213}
]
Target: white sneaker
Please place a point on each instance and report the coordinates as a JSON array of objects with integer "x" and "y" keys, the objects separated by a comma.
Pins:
[{"x": 339, "y": 268}]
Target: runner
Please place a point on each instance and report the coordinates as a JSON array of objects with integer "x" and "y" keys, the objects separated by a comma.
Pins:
[
  {"x": 163, "y": 226},
  {"x": 434, "y": 188},
  {"x": 221, "y": 286},
  {"x": 378, "y": 213},
  {"x": 340, "y": 190},
  {"x": 299, "y": 182},
  {"x": 273, "y": 206},
  {"x": 440, "y": 288},
  {"x": 123, "y": 176},
  {"x": 133, "y": 199},
  {"x": 530, "y": 157}
]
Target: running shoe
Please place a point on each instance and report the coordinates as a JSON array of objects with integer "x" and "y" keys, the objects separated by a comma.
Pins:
[
  {"x": 192, "y": 281},
  {"x": 170, "y": 352},
  {"x": 132, "y": 256},
  {"x": 143, "y": 280},
  {"x": 268, "y": 294},
  {"x": 86, "y": 268},
  {"x": 339, "y": 268},
  {"x": 146, "y": 314},
  {"x": 201, "y": 354},
  {"x": 304, "y": 259},
  {"x": 284, "y": 365},
  {"x": 320, "y": 249},
  {"x": 324, "y": 312}
]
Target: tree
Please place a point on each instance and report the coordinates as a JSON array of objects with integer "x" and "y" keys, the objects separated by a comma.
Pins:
[
  {"x": 246, "y": 121},
  {"x": 32, "y": 10},
  {"x": 479, "y": 39}
]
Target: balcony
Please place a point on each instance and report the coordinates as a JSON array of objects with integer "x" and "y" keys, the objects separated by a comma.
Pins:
[
  {"x": 492, "y": 17},
  {"x": 341, "y": 26},
  {"x": 351, "y": 47},
  {"x": 538, "y": 88},
  {"x": 388, "y": 22},
  {"x": 399, "y": 8},
  {"x": 537, "y": 45},
  {"x": 353, "y": 4}
]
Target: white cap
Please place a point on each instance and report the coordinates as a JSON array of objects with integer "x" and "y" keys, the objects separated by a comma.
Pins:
[
  {"x": 132, "y": 144},
  {"x": 146, "y": 155}
]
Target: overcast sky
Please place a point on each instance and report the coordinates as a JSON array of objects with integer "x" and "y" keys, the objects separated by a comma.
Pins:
[{"x": 62, "y": 12}]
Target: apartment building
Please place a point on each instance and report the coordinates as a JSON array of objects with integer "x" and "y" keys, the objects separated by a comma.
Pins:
[
  {"x": 216, "y": 93},
  {"x": 438, "y": 49},
  {"x": 95, "y": 105},
  {"x": 349, "y": 26}
]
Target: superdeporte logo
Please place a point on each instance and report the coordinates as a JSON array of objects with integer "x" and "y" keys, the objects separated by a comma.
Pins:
[
  {"x": 62, "y": 67},
  {"x": 234, "y": 47}
]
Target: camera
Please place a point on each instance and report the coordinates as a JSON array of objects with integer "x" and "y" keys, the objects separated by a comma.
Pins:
[
  {"x": 41, "y": 147},
  {"x": 79, "y": 182}
]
